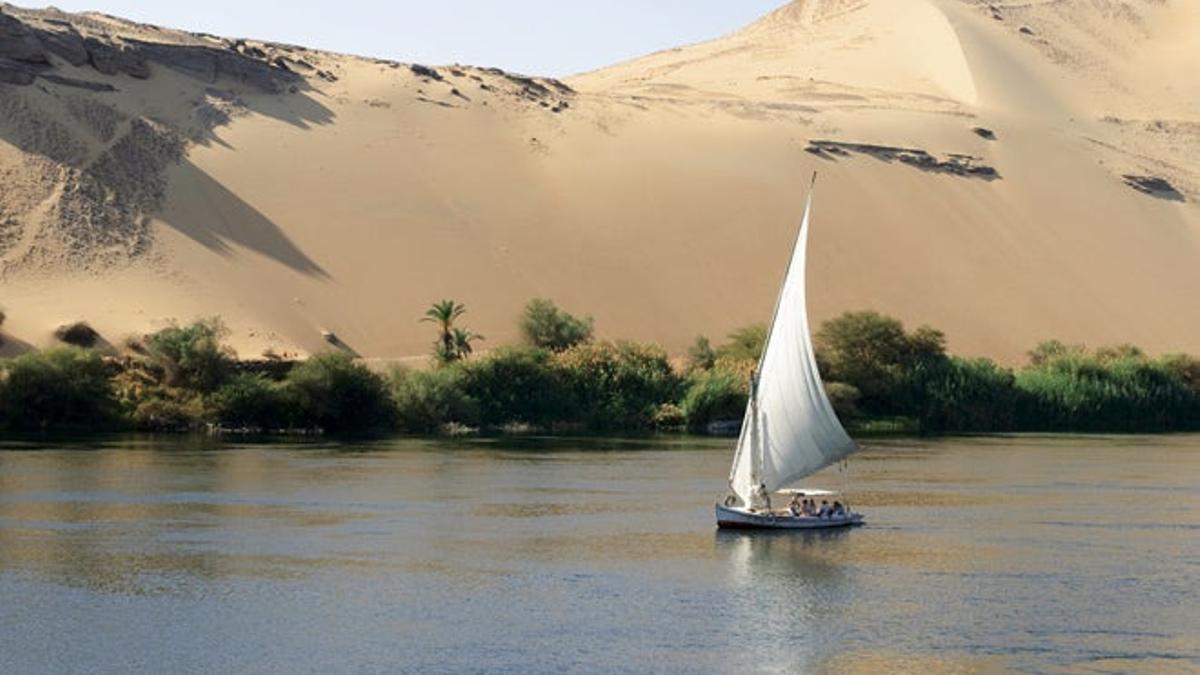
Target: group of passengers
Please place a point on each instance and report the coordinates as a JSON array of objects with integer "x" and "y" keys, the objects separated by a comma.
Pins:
[{"x": 802, "y": 506}]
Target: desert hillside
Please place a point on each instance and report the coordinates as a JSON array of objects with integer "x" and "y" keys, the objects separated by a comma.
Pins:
[{"x": 1006, "y": 171}]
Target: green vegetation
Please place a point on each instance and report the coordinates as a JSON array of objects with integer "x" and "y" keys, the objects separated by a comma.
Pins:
[
  {"x": 701, "y": 355},
  {"x": 192, "y": 356},
  {"x": 713, "y": 395},
  {"x": 954, "y": 394},
  {"x": 186, "y": 379},
  {"x": 253, "y": 402},
  {"x": 873, "y": 354},
  {"x": 333, "y": 392},
  {"x": 517, "y": 385},
  {"x": 65, "y": 388},
  {"x": 617, "y": 385},
  {"x": 453, "y": 343},
  {"x": 428, "y": 401},
  {"x": 1108, "y": 390},
  {"x": 879, "y": 376},
  {"x": 745, "y": 344},
  {"x": 546, "y": 326}
]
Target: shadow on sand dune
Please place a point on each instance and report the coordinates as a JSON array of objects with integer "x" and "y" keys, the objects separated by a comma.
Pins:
[
  {"x": 99, "y": 192},
  {"x": 301, "y": 109},
  {"x": 210, "y": 214}
]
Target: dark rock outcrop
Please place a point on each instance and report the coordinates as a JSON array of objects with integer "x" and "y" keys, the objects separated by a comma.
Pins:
[
  {"x": 78, "y": 334},
  {"x": 249, "y": 66},
  {"x": 425, "y": 71},
  {"x": 26, "y": 48},
  {"x": 21, "y": 54},
  {"x": 18, "y": 72},
  {"x": 116, "y": 58},
  {"x": 954, "y": 163},
  {"x": 1154, "y": 186},
  {"x": 66, "y": 45},
  {"x": 19, "y": 43}
]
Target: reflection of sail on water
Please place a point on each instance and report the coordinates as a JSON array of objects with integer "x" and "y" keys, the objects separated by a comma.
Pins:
[
  {"x": 790, "y": 429},
  {"x": 781, "y": 592}
]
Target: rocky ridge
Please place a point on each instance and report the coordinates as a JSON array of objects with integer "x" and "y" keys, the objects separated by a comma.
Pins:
[
  {"x": 34, "y": 43},
  {"x": 92, "y": 162}
]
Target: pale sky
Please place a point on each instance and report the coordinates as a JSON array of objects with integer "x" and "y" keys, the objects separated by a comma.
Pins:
[{"x": 540, "y": 37}]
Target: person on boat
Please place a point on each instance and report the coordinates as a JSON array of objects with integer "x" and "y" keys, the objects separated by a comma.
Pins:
[
  {"x": 761, "y": 499},
  {"x": 838, "y": 510},
  {"x": 810, "y": 507},
  {"x": 797, "y": 505},
  {"x": 825, "y": 510}
]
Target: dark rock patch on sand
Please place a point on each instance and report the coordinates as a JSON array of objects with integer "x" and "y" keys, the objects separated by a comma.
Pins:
[
  {"x": 78, "y": 334},
  {"x": 954, "y": 163},
  {"x": 1154, "y": 186},
  {"x": 425, "y": 71}
]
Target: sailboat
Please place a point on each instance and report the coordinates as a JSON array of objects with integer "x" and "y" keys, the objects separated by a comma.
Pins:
[{"x": 790, "y": 430}]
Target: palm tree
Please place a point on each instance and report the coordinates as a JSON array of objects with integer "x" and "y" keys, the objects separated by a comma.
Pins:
[
  {"x": 444, "y": 313},
  {"x": 463, "y": 337}
]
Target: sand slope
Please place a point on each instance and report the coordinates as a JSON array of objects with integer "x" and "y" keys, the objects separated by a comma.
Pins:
[{"x": 297, "y": 192}]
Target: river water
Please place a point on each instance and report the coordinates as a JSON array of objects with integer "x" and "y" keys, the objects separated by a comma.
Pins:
[{"x": 1025, "y": 553}]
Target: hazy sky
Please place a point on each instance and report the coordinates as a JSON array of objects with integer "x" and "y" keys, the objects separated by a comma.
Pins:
[{"x": 544, "y": 37}]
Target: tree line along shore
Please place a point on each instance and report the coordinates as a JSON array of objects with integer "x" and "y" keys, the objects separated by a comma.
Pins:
[{"x": 879, "y": 376}]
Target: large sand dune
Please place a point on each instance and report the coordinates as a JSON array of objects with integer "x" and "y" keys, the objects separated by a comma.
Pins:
[{"x": 151, "y": 175}]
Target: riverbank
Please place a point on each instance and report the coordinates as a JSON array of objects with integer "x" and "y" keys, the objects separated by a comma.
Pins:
[{"x": 879, "y": 377}]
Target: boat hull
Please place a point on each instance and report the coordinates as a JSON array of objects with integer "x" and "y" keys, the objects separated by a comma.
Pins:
[{"x": 733, "y": 518}]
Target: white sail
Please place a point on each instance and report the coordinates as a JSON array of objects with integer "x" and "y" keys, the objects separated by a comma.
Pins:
[{"x": 790, "y": 429}]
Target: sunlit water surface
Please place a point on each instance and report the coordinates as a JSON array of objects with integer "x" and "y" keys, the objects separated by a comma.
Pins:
[{"x": 994, "y": 554}]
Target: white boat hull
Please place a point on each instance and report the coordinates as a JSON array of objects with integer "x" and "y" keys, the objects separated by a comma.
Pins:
[{"x": 735, "y": 518}]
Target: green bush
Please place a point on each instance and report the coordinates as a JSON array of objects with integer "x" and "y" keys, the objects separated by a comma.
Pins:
[
  {"x": 333, "y": 392},
  {"x": 873, "y": 354},
  {"x": 701, "y": 355},
  {"x": 546, "y": 326},
  {"x": 745, "y": 344},
  {"x": 1106, "y": 391},
  {"x": 1186, "y": 368},
  {"x": 1052, "y": 350},
  {"x": 427, "y": 401},
  {"x": 252, "y": 401},
  {"x": 617, "y": 385},
  {"x": 712, "y": 396},
  {"x": 161, "y": 413},
  {"x": 60, "y": 389},
  {"x": 517, "y": 385},
  {"x": 966, "y": 395},
  {"x": 192, "y": 356},
  {"x": 669, "y": 416},
  {"x": 844, "y": 399},
  {"x": 1119, "y": 353}
]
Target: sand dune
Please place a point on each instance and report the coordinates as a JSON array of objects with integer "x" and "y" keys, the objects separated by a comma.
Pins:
[{"x": 163, "y": 175}]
